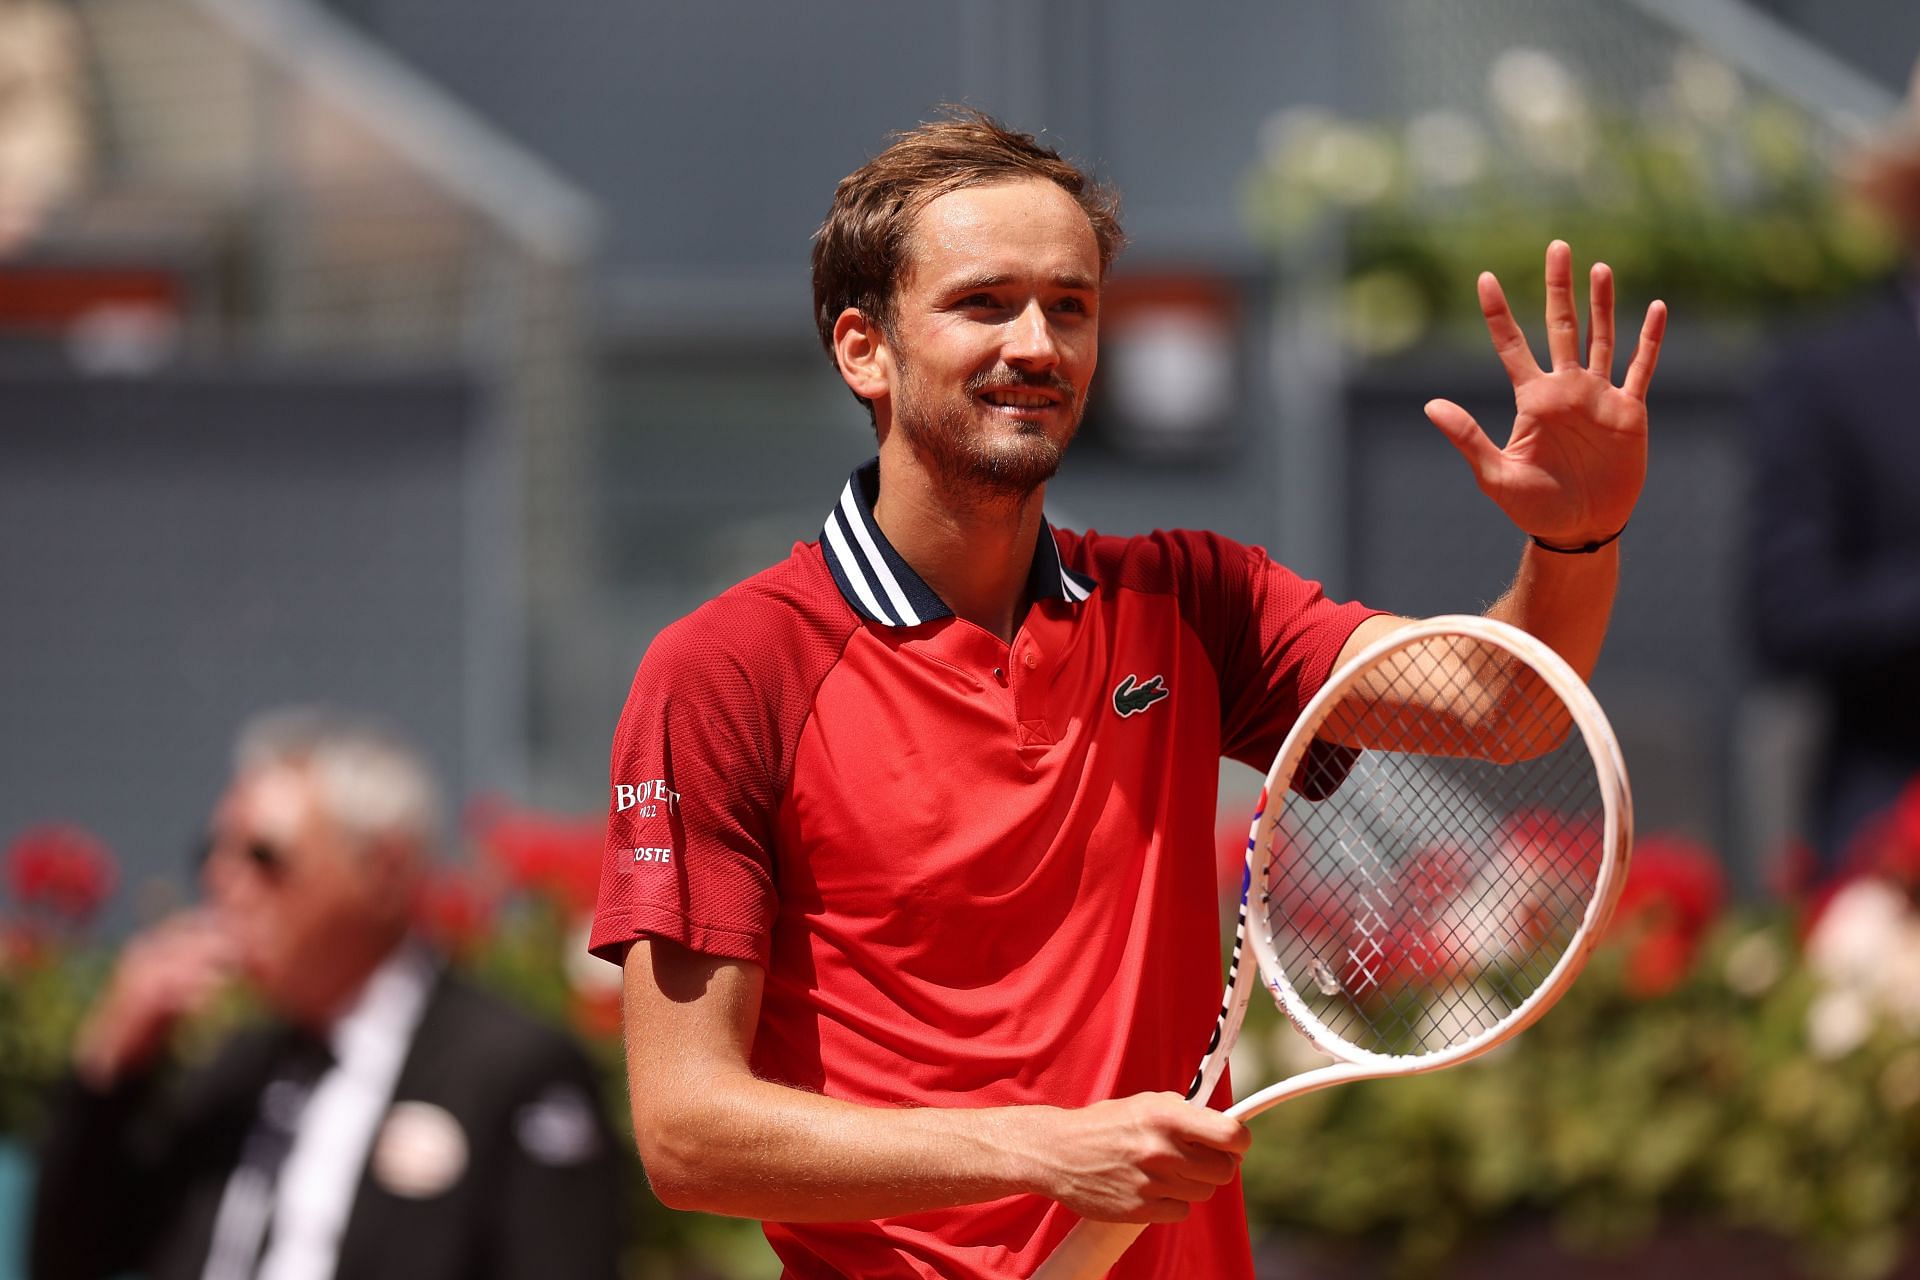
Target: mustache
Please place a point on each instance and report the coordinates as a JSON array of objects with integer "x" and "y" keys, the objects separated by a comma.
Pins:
[{"x": 1014, "y": 380}]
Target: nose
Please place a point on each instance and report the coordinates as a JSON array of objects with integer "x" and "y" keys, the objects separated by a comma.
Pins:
[
  {"x": 1030, "y": 342},
  {"x": 223, "y": 880}
]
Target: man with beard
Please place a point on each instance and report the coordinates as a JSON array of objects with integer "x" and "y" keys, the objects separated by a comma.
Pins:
[{"x": 910, "y": 860}]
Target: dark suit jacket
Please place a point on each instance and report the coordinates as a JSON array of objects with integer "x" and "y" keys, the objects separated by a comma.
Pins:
[
  {"x": 130, "y": 1181},
  {"x": 1834, "y": 538}
]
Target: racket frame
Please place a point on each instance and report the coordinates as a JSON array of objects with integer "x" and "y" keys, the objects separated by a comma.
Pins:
[
  {"x": 1091, "y": 1248},
  {"x": 1603, "y": 748}
]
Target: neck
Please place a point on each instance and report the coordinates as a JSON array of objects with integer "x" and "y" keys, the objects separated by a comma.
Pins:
[
  {"x": 335, "y": 992},
  {"x": 974, "y": 549}
]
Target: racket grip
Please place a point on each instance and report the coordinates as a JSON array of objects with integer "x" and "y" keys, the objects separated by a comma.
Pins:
[{"x": 1090, "y": 1250}]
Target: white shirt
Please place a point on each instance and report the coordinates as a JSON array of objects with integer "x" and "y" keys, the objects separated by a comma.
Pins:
[{"x": 323, "y": 1168}]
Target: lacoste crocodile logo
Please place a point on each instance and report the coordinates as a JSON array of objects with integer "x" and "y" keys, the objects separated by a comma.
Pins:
[{"x": 1131, "y": 699}]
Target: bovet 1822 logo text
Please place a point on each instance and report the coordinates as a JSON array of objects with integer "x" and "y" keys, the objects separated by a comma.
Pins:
[{"x": 646, "y": 796}]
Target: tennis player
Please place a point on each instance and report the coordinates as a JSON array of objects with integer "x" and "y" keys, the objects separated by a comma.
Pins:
[{"x": 911, "y": 834}]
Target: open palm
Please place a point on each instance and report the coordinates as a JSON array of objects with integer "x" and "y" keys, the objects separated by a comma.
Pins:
[{"x": 1576, "y": 457}]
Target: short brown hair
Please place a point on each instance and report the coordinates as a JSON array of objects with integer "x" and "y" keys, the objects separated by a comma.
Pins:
[{"x": 860, "y": 250}]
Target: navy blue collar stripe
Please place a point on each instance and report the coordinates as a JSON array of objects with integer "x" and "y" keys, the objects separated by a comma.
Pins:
[
  {"x": 848, "y": 573},
  {"x": 881, "y": 586},
  {"x": 909, "y": 599}
]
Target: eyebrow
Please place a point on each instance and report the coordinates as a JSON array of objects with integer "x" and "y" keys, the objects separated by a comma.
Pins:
[{"x": 1070, "y": 280}]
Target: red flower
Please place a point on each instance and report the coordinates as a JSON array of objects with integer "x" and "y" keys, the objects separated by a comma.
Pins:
[
  {"x": 455, "y": 909},
  {"x": 21, "y": 946},
  {"x": 596, "y": 1014},
  {"x": 1565, "y": 849},
  {"x": 1794, "y": 873},
  {"x": 1673, "y": 892},
  {"x": 1889, "y": 844},
  {"x": 554, "y": 856},
  {"x": 60, "y": 871}
]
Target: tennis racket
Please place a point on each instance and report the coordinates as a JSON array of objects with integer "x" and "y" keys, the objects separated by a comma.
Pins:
[{"x": 1438, "y": 846}]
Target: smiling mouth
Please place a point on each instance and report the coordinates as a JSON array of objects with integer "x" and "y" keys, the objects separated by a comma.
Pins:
[{"x": 1002, "y": 399}]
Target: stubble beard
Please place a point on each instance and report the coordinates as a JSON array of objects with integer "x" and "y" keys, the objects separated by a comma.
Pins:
[{"x": 969, "y": 463}]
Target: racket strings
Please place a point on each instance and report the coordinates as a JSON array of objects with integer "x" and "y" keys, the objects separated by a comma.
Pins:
[{"x": 1433, "y": 889}]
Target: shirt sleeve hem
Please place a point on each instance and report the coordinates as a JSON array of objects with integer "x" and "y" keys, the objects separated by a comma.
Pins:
[
  {"x": 1315, "y": 674},
  {"x": 615, "y": 931}
]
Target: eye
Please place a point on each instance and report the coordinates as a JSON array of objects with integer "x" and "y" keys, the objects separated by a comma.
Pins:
[{"x": 1075, "y": 305}]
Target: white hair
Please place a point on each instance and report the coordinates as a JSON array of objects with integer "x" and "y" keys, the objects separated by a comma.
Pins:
[{"x": 372, "y": 783}]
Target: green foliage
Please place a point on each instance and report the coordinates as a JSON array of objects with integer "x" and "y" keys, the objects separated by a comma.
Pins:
[
  {"x": 42, "y": 993},
  {"x": 1717, "y": 199},
  {"x": 1716, "y": 1102},
  {"x": 1613, "y": 1117}
]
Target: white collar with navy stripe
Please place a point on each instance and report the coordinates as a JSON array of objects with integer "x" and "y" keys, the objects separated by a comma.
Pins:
[{"x": 882, "y": 587}]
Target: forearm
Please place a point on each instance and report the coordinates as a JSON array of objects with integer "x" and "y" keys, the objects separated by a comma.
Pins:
[
  {"x": 715, "y": 1137},
  {"x": 1564, "y": 600},
  {"x": 755, "y": 1149},
  {"x": 1450, "y": 701}
]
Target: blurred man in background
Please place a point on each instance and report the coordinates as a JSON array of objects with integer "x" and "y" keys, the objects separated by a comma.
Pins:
[
  {"x": 390, "y": 1121},
  {"x": 1835, "y": 522}
]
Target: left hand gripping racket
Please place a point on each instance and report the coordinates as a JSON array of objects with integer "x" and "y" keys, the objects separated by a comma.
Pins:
[{"x": 1439, "y": 845}]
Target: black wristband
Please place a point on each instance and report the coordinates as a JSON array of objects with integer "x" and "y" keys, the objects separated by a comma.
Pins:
[{"x": 1584, "y": 549}]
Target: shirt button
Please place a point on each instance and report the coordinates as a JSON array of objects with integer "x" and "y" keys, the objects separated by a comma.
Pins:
[
  {"x": 1032, "y": 659},
  {"x": 999, "y": 673}
]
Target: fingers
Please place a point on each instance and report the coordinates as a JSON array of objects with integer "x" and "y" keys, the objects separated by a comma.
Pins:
[
  {"x": 168, "y": 973},
  {"x": 1212, "y": 1133},
  {"x": 1647, "y": 354},
  {"x": 1600, "y": 321},
  {"x": 1563, "y": 320},
  {"x": 1465, "y": 435},
  {"x": 1508, "y": 342},
  {"x": 1142, "y": 1159}
]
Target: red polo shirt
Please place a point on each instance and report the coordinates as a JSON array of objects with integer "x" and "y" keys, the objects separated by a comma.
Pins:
[{"x": 975, "y": 874}]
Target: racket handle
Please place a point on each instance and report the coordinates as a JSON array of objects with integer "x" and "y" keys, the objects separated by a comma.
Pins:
[{"x": 1090, "y": 1250}]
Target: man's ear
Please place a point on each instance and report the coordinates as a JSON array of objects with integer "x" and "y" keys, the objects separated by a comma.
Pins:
[{"x": 860, "y": 349}]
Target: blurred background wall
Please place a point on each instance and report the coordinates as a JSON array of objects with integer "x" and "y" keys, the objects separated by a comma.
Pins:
[{"x": 432, "y": 361}]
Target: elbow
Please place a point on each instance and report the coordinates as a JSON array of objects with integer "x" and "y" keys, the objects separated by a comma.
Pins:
[
  {"x": 1525, "y": 721},
  {"x": 678, "y": 1155}
]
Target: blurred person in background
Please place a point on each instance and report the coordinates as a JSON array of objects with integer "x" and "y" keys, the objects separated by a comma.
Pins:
[
  {"x": 43, "y": 107},
  {"x": 1834, "y": 521},
  {"x": 910, "y": 859},
  {"x": 390, "y": 1121}
]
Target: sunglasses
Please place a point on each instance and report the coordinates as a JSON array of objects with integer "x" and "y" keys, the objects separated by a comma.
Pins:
[{"x": 269, "y": 859}]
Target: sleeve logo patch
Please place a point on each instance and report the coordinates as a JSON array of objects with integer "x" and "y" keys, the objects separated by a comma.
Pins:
[
  {"x": 646, "y": 796},
  {"x": 663, "y": 857},
  {"x": 1130, "y": 699}
]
